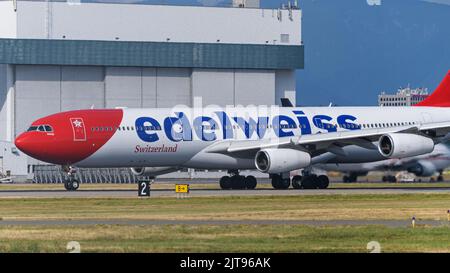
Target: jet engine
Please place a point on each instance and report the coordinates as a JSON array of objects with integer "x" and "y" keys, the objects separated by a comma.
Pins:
[
  {"x": 401, "y": 145},
  {"x": 423, "y": 168},
  {"x": 281, "y": 160},
  {"x": 152, "y": 171}
]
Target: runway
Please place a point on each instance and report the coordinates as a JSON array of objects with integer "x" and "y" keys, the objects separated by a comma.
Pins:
[{"x": 127, "y": 193}]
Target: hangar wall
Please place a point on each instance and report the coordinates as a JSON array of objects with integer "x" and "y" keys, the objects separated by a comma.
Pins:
[
  {"x": 234, "y": 86},
  {"x": 7, "y": 102},
  {"x": 79, "y": 87},
  {"x": 127, "y": 22},
  {"x": 8, "y": 20},
  {"x": 3, "y": 94}
]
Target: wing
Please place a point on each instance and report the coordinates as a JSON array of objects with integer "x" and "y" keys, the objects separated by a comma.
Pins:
[{"x": 327, "y": 142}]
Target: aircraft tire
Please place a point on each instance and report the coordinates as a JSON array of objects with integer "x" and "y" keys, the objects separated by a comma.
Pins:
[
  {"x": 225, "y": 182},
  {"x": 276, "y": 181},
  {"x": 297, "y": 182},
  {"x": 237, "y": 182},
  {"x": 75, "y": 184},
  {"x": 345, "y": 179},
  {"x": 250, "y": 182},
  {"x": 323, "y": 182},
  {"x": 285, "y": 183},
  {"x": 68, "y": 185},
  {"x": 440, "y": 178},
  {"x": 309, "y": 182}
]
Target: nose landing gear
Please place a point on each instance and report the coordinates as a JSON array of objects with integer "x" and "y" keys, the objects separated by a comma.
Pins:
[{"x": 71, "y": 183}]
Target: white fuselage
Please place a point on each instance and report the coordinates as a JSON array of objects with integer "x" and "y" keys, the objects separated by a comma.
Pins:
[{"x": 164, "y": 137}]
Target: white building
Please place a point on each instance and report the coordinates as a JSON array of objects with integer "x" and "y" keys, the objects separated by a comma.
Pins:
[
  {"x": 57, "y": 56},
  {"x": 403, "y": 97}
]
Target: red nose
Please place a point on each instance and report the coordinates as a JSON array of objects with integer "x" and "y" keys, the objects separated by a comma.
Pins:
[{"x": 30, "y": 145}]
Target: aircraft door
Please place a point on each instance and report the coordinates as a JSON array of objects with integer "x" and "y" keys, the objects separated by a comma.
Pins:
[{"x": 426, "y": 118}]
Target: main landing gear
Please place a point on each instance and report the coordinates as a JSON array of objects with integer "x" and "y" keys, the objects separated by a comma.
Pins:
[
  {"x": 280, "y": 181},
  {"x": 237, "y": 182},
  {"x": 71, "y": 183},
  {"x": 310, "y": 181},
  {"x": 440, "y": 177},
  {"x": 307, "y": 181},
  {"x": 389, "y": 178},
  {"x": 351, "y": 178}
]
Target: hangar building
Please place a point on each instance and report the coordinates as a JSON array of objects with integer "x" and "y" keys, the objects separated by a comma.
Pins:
[{"x": 57, "y": 56}]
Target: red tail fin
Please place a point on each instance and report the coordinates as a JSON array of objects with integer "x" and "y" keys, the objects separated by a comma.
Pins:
[{"x": 441, "y": 96}]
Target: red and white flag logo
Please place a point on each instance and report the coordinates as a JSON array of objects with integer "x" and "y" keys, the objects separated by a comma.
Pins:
[{"x": 79, "y": 130}]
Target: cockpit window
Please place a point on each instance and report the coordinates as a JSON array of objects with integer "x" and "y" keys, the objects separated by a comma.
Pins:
[{"x": 40, "y": 128}]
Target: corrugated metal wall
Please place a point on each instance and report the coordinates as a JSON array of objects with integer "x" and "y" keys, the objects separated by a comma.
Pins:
[
  {"x": 123, "y": 87},
  {"x": 3, "y": 94},
  {"x": 234, "y": 86},
  {"x": 214, "y": 86},
  {"x": 82, "y": 87},
  {"x": 173, "y": 87},
  {"x": 38, "y": 93},
  {"x": 254, "y": 87}
]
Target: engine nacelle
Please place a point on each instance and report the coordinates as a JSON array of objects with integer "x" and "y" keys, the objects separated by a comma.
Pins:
[
  {"x": 152, "y": 171},
  {"x": 423, "y": 168},
  {"x": 281, "y": 160},
  {"x": 401, "y": 145}
]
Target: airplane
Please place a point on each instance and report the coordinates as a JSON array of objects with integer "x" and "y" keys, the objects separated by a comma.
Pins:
[
  {"x": 271, "y": 139},
  {"x": 422, "y": 166}
]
